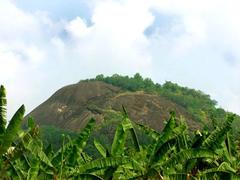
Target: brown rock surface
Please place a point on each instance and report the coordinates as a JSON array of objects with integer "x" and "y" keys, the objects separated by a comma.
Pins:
[{"x": 72, "y": 106}]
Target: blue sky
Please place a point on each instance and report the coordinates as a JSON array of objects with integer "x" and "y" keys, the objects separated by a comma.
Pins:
[
  {"x": 57, "y": 9},
  {"x": 45, "y": 45}
]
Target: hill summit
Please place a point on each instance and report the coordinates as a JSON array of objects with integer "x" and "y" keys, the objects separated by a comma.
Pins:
[{"x": 146, "y": 102}]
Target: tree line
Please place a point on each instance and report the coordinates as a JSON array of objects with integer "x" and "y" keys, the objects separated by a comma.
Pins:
[{"x": 200, "y": 105}]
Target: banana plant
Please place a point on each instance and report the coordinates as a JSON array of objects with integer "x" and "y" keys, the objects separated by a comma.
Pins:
[
  {"x": 116, "y": 157},
  {"x": 71, "y": 154},
  {"x": 171, "y": 153},
  {"x": 10, "y": 133}
]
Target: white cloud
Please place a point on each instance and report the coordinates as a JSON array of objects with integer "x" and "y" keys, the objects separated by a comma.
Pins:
[
  {"x": 47, "y": 55},
  {"x": 23, "y": 49},
  {"x": 115, "y": 41},
  {"x": 78, "y": 28},
  {"x": 200, "y": 50}
]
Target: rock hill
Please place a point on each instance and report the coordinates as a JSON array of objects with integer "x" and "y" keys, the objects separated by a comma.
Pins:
[{"x": 72, "y": 106}]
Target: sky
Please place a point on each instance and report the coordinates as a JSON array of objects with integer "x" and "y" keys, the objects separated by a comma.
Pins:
[{"x": 45, "y": 45}]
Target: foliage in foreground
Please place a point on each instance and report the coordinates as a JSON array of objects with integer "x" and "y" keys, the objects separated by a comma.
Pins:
[{"x": 173, "y": 154}]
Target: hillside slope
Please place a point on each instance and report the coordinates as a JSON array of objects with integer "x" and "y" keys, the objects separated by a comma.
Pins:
[{"x": 72, "y": 106}]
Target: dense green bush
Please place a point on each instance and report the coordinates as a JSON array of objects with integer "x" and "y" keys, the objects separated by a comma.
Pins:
[{"x": 53, "y": 135}]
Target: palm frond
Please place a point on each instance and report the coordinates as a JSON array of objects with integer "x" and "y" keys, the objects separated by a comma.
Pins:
[
  {"x": 12, "y": 130},
  {"x": 100, "y": 164},
  {"x": 186, "y": 155},
  {"x": 100, "y": 148},
  {"x": 3, "y": 110},
  {"x": 165, "y": 137},
  {"x": 215, "y": 139},
  {"x": 121, "y": 134},
  {"x": 148, "y": 131}
]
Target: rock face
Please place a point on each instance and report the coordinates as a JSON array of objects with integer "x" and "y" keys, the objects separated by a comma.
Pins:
[{"x": 73, "y": 105}]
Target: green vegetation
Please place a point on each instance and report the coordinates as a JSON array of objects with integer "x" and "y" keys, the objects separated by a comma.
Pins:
[
  {"x": 200, "y": 105},
  {"x": 202, "y": 108},
  {"x": 51, "y": 135},
  {"x": 171, "y": 154}
]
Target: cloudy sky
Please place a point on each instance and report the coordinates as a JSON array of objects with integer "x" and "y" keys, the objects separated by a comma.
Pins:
[{"x": 45, "y": 45}]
